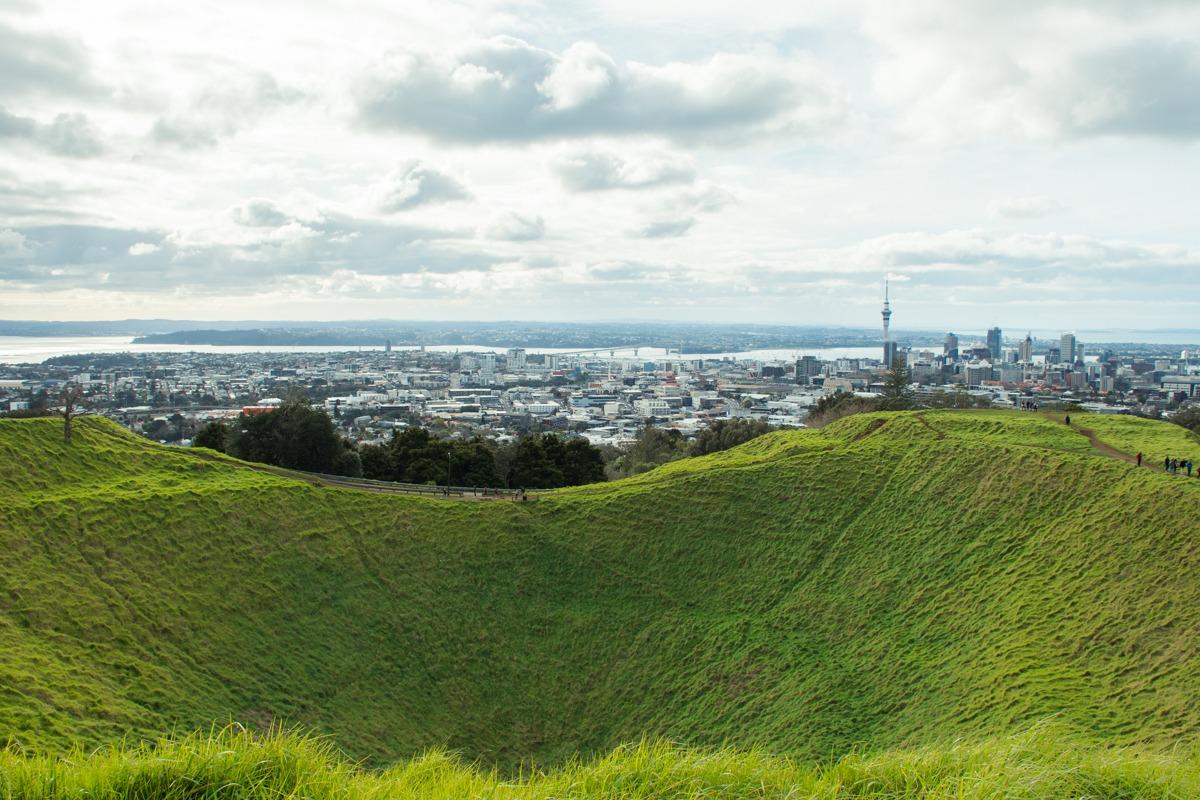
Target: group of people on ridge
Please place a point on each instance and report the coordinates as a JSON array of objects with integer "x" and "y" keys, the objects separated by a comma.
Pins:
[{"x": 1173, "y": 465}]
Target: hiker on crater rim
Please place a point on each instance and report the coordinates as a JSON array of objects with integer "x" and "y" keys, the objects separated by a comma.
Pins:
[{"x": 1139, "y": 458}]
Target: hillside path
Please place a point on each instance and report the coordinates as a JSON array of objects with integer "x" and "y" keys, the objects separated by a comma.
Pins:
[
  {"x": 457, "y": 493},
  {"x": 1103, "y": 447}
]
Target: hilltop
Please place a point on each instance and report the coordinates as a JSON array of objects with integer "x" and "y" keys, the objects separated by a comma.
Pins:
[{"x": 893, "y": 580}]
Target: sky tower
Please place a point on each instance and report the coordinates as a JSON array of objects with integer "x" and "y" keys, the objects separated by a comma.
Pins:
[{"x": 887, "y": 320}]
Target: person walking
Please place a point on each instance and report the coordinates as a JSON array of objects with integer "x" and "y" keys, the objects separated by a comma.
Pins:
[
  {"x": 1139, "y": 458},
  {"x": 1167, "y": 463},
  {"x": 1189, "y": 467},
  {"x": 1068, "y": 419}
]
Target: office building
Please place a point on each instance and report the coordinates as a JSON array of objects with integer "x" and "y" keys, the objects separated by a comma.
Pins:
[{"x": 993, "y": 343}]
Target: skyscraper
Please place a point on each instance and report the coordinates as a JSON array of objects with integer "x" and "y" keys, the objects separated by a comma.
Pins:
[
  {"x": 807, "y": 368},
  {"x": 1067, "y": 346},
  {"x": 1027, "y": 349},
  {"x": 888, "y": 350},
  {"x": 993, "y": 343},
  {"x": 950, "y": 347}
]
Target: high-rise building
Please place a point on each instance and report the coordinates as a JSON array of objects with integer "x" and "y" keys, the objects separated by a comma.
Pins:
[
  {"x": 487, "y": 366},
  {"x": 888, "y": 349},
  {"x": 1067, "y": 348},
  {"x": 993, "y": 343},
  {"x": 1026, "y": 355},
  {"x": 950, "y": 347},
  {"x": 516, "y": 358},
  {"x": 807, "y": 368}
]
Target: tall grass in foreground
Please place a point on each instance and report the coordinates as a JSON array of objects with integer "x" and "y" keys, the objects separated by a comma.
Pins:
[{"x": 233, "y": 764}]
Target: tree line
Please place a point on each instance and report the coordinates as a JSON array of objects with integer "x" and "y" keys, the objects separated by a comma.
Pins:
[{"x": 298, "y": 436}]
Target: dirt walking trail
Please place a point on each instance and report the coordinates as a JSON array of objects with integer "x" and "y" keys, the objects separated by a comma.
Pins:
[
  {"x": 1099, "y": 445},
  {"x": 460, "y": 493}
]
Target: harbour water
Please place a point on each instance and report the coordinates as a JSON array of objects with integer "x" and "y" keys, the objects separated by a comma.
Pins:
[{"x": 36, "y": 349}]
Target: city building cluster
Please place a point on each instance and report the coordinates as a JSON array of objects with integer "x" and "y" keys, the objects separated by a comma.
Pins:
[{"x": 607, "y": 396}]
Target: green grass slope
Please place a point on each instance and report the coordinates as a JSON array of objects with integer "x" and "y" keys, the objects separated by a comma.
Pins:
[
  {"x": 233, "y": 764},
  {"x": 892, "y": 580}
]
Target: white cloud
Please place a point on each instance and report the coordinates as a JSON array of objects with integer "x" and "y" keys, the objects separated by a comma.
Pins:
[
  {"x": 259, "y": 213},
  {"x": 1033, "y": 207},
  {"x": 594, "y": 170},
  {"x": 14, "y": 244},
  {"x": 582, "y": 75},
  {"x": 71, "y": 135},
  {"x": 513, "y": 227},
  {"x": 664, "y": 228},
  {"x": 778, "y": 155},
  {"x": 504, "y": 89},
  {"x": 232, "y": 101},
  {"x": 1054, "y": 70},
  {"x": 414, "y": 184}
]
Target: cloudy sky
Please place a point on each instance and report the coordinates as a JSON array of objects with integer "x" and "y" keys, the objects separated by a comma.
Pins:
[{"x": 1022, "y": 164}]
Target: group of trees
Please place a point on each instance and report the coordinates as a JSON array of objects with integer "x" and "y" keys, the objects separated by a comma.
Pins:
[
  {"x": 298, "y": 436},
  {"x": 295, "y": 435},
  {"x": 655, "y": 446},
  {"x": 896, "y": 395},
  {"x": 415, "y": 455},
  {"x": 1188, "y": 417},
  {"x": 534, "y": 461}
]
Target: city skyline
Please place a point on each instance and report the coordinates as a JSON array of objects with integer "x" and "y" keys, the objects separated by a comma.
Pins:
[{"x": 670, "y": 162}]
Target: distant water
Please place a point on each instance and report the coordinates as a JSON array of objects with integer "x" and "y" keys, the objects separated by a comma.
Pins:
[{"x": 36, "y": 349}]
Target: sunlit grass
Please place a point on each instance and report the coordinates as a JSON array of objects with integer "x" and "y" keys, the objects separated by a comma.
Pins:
[
  {"x": 235, "y": 765},
  {"x": 891, "y": 580}
]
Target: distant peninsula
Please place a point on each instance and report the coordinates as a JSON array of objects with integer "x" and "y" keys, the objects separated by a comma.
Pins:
[{"x": 693, "y": 338}]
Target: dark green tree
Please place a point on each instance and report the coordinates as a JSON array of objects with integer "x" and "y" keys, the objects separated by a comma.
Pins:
[
  {"x": 1188, "y": 417},
  {"x": 726, "y": 433},
  {"x": 295, "y": 435},
  {"x": 215, "y": 435},
  {"x": 347, "y": 461},
  {"x": 472, "y": 463},
  {"x": 897, "y": 393},
  {"x": 582, "y": 462},
  {"x": 835, "y": 406},
  {"x": 532, "y": 467},
  {"x": 652, "y": 448},
  {"x": 420, "y": 457},
  {"x": 376, "y": 462}
]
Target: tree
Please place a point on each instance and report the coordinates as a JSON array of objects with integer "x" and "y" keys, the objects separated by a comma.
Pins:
[
  {"x": 838, "y": 405},
  {"x": 582, "y": 462},
  {"x": 1188, "y": 417},
  {"x": 726, "y": 433},
  {"x": 652, "y": 448},
  {"x": 532, "y": 467},
  {"x": 376, "y": 460},
  {"x": 215, "y": 435},
  {"x": 472, "y": 463},
  {"x": 897, "y": 394},
  {"x": 547, "y": 461},
  {"x": 347, "y": 462},
  {"x": 70, "y": 396},
  {"x": 419, "y": 457},
  {"x": 295, "y": 435}
]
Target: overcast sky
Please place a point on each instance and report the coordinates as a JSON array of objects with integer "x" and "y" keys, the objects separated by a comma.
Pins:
[{"x": 1014, "y": 163}]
